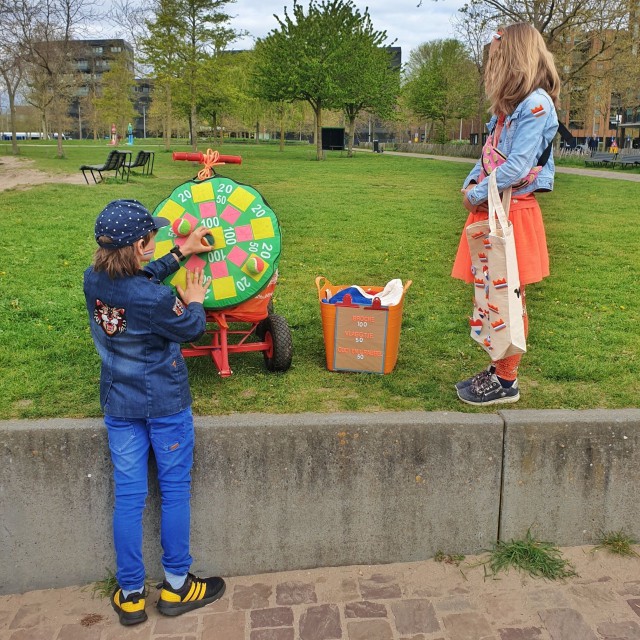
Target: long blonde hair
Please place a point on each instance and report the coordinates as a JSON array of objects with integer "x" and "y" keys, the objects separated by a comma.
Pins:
[{"x": 519, "y": 64}]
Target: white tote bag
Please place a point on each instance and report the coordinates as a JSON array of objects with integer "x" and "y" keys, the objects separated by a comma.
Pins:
[{"x": 497, "y": 323}]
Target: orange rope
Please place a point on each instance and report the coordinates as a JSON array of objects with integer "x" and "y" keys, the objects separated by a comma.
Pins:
[{"x": 209, "y": 159}]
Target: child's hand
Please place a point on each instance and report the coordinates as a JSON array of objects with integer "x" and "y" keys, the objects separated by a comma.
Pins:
[
  {"x": 197, "y": 285},
  {"x": 465, "y": 201},
  {"x": 195, "y": 242}
]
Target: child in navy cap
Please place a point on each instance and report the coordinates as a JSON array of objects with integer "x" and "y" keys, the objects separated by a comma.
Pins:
[{"x": 137, "y": 325}]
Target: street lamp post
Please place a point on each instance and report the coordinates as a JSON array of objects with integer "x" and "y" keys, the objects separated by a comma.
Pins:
[{"x": 144, "y": 121}]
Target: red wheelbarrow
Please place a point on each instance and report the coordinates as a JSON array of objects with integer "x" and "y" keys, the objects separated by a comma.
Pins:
[
  {"x": 267, "y": 332},
  {"x": 242, "y": 264}
]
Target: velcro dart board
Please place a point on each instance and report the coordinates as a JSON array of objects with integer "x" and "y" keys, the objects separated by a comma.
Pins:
[{"x": 245, "y": 231}]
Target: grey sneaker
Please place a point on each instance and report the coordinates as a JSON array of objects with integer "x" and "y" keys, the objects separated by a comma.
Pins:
[
  {"x": 489, "y": 391},
  {"x": 478, "y": 378}
]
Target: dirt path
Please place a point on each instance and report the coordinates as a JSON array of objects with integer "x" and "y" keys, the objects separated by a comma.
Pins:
[{"x": 20, "y": 173}]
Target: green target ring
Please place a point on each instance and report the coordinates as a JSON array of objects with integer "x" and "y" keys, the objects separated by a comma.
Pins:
[{"x": 246, "y": 238}]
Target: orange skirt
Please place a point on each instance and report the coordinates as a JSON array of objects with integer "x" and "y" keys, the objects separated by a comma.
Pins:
[{"x": 530, "y": 237}]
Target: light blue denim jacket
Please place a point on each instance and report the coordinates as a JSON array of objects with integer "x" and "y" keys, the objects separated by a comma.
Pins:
[
  {"x": 527, "y": 132},
  {"x": 137, "y": 325}
]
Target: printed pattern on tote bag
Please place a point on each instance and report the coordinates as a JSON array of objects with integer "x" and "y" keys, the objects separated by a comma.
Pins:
[{"x": 497, "y": 323}]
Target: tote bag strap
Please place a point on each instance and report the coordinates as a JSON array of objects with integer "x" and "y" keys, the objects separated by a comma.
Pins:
[{"x": 498, "y": 209}]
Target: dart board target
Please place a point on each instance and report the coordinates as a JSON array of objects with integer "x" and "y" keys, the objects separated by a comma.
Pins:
[{"x": 245, "y": 232}]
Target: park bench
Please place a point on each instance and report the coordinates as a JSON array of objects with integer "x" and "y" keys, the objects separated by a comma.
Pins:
[
  {"x": 631, "y": 160},
  {"x": 601, "y": 158},
  {"x": 143, "y": 160},
  {"x": 115, "y": 162}
]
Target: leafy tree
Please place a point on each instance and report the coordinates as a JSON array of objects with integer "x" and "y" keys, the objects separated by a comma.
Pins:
[
  {"x": 371, "y": 83},
  {"x": 439, "y": 86},
  {"x": 183, "y": 36},
  {"x": 590, "y": 39},
  {"x": 474, "y": 30},
  {"x": 116, "y": 104},
  {"x": 159, "y": 49},
  {"x": 47, "y": 30},
  {"x": 11, "y": 74},
  {"x": 310, "y": 57}
]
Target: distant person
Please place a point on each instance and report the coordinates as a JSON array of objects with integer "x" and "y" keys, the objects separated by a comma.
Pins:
[
  {"x": 137, "y": 325},
  {"x": 523, "y": 87}
]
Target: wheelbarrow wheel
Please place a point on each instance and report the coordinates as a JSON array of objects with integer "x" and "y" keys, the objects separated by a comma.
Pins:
[{"x": 274, "y": 330}]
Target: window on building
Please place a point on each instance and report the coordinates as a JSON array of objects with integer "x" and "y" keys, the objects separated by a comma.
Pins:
[
  {"x": 97, "y": 49},
  {"x": 116, "y": 49}
]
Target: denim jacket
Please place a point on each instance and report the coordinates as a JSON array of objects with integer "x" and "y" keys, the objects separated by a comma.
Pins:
[
  {"x": 527, "y": 132},
  {"x": 137, "y": 325}
]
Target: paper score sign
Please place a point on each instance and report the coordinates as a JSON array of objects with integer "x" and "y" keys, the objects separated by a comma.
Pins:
[{"x": 360, "y": 339}]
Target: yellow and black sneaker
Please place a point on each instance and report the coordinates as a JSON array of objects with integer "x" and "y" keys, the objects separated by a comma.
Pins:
[
  {"x": 130, "y": 610},
  {"x": 194, "y": 593}
]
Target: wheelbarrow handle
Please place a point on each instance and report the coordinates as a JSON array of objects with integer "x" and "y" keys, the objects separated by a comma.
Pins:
[{"x": 199, "y": 157}]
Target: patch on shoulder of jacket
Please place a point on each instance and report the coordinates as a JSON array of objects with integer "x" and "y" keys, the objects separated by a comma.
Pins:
[
  {"x": 111, "y": 319},
  {"x": 178, "y": 307},
  {"x": 538, "y": 111}
]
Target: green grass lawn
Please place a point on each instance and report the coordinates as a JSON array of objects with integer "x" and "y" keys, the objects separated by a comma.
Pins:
[{"x": 363, "y": 220}]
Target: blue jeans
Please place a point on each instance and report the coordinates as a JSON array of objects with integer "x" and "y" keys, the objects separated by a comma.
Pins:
[{"x": 171, "y": 438}]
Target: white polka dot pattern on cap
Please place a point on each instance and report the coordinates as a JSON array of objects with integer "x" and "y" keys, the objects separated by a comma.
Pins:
[{"x": 124, "y": 222}]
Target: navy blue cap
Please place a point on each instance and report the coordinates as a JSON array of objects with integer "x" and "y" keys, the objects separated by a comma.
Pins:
[{"x": 124, "y": 222}]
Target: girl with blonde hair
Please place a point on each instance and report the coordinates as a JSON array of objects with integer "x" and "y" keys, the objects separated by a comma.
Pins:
[{"x": 522, "y": 85}]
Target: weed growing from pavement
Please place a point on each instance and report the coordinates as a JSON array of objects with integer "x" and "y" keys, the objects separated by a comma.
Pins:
[
  {"x": 537, "y": 558},
  {"x": 449, "y": 558},
  {"x": 617, "y": 542},
  {"x": 105, "y": 587}
]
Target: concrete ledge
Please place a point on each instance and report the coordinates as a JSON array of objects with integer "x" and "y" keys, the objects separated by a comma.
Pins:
[
  {"x": 279, "y": 492},
  {"x": 270, "y": 492},
  {"x": 570, "y": 475}
]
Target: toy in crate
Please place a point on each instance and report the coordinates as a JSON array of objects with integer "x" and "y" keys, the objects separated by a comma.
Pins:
[
  {"x": 242, "y": 263},
  {"x": 361, "y": 325}
]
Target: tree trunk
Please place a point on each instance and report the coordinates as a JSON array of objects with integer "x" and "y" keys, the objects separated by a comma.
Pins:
[
  {"x": 257, "y": 131},
  {"x": 193, "y": 125},
  {"x": 11, "y": 92},
  {"x": 318, "y": 111},
  {"x": 59, "y": 145},
  {"x": 282, "y": 133},
  {"x": 12, "y": 110},
  {"x": 167, "y": 120},
  {"x": 351, "y": 134}
]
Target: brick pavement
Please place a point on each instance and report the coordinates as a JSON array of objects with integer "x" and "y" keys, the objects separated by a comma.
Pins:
[{"x": 414, "y": 601}]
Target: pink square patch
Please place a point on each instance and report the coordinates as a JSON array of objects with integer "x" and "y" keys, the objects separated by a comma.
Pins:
[
  {"x": 219, "y": 270},
  {"x": 179, "y": 240},
  {"x": 190, "y": 219},
  {"x": 244, "y": 233},
  {"x": 237, "y": 256},
  {"x": 208, "y": 209},
  {"x": 230, "y": 215},
  {"x": 195, "y": 262}
]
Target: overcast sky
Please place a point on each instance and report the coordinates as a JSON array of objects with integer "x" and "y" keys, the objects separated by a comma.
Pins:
[{"x": 403, "y": 20}]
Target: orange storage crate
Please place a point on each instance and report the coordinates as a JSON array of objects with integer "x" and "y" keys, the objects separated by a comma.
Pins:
[{"x": 328, "y": 314}]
